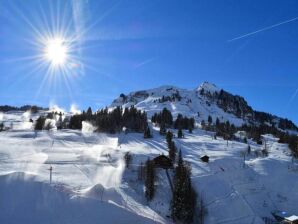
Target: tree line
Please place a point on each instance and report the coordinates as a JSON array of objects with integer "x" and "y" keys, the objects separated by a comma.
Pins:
[
  {"x": 165, "y": 120},
  {"x": 253, "y": 131},
  {"x": 104, "y": 120}
]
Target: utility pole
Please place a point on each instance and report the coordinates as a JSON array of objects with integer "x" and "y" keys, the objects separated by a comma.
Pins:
[
  {"x": 244, "y": 160},
  {"x": 243, "y": 154},
  {"x": 50, "y": 169}
]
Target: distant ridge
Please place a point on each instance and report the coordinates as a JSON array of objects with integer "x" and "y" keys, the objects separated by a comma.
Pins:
[{"x": 199, "y": 103}]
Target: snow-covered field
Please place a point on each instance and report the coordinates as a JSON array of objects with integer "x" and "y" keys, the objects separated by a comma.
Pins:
[{"x": 90, "y": 183}]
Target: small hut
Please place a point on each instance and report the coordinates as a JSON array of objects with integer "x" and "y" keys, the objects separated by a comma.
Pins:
[
  {"x": 285, "y": 217},
  {"x": 163, "y": 162},
  {"x": 205, "y": 158}
]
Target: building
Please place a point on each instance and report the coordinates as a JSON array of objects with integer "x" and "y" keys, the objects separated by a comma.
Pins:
[
  {"x": 163, "y": 162},
  {"x": 205, "y": 159},
  {"x": 284, "y": 217}
]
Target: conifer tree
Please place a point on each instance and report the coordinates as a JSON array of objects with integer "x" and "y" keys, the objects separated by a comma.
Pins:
[
  {"x": 147, "y": 133},
  {"x": 162, "y": 129},
  {"x": 245, "y": 140},
  {"x": 40, "y": 122},
  {"x": 1, "y": 126},
  {"x": 203, "y": 124},
  {"x": 209, "y": 120},
  {"x": 248, "y": 150},
  {"x": 217, "y": 122},
  {"x": 169, "y": 137},
  {"x": 180, "y": 133},
  {"x": 127, "y": 159},
  {"x": 172, "y": 151},
  {"x": 60, "y": 121},
  {"x": 184, "y": 197},
  {"x": 75, "y": 121},
  {"x": 149, "y": 180},
  {"x": 89, "y": 114}
]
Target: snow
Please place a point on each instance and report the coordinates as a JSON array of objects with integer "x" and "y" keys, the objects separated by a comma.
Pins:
[
  {"x": 38, "y": 202},
  {"x": 91, "y": 184},
  {"x": 292, "y": 218},
  {"x": 192, "y": 104},
  {"x": 209, "y": 87}
]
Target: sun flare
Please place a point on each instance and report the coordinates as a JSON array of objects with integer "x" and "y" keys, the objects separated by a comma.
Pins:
[{"x": 56, "y": 51}]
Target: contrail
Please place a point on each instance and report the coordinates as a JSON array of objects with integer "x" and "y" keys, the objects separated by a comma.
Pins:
[
  {"x": 293, "y": 96},
  {"x": 264, "y": 29},
  {"x": 144, "y": 62}
]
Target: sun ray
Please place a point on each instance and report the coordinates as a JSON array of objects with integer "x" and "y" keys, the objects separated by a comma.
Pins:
[{"x": 56, "y": 45}]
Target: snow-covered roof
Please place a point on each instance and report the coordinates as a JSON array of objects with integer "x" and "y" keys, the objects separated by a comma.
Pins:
[
  {"x": 286, "y": 216},
  {"x": 292, "y": 218}
]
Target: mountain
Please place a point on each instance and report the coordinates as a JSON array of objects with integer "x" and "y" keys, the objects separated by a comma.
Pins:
[
  {"x": 199, "y": 103},
  {"x": 81, "y": 173}
]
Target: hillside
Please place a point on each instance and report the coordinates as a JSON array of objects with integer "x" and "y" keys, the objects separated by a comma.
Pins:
[
  {"x": 91, "y": 183},
  {"x": 74, "y": 170},
  {"x": 199, "y": 103}
]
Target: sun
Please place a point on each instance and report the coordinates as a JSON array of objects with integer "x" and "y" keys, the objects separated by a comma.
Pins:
[{"x": 56, "y": 51}]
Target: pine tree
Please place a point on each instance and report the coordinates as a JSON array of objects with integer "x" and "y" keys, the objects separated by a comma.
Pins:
[
  {"x": 209, "y": 120},
  {"x": 172, "y": 151},
  {"x": 169, "y": 137},
  {"x": 162, "y": 129},
  {"x": 50, "y": 115},
  {"x": 89, "y": 114},
  {"x": 217, "y": 122},
  {"x": 60, "y": 121},
  {"x": 40, "y": 122},
  {"x": 245, "y": 140},
  {"x": 149, "y": 180},
  {"x": 203, "y": 124},
  {"x": 166, "y": 117},
  {"x": 248, "y": 150},
  {"x": 147, "y": 133},
  {"x": 184, "y": 197},
  {"x": 127, "y": 159},
  {"x": 75, "y": 121},
  {"x": 180, "y": 133}
]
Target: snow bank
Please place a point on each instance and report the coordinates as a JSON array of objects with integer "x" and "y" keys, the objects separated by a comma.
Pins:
[
  {"x": 25, "y": 200},
  {"x": 87, "y": 127}
]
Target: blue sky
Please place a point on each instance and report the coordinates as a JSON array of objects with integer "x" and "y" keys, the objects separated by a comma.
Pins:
[{"x": 127, "y": 45}]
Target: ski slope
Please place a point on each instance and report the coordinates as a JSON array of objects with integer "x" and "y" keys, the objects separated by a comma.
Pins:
[{"x": 90, "y": 183}]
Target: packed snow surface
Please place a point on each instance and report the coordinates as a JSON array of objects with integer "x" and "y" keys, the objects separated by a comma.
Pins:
[{"x": 90, "y": 183}]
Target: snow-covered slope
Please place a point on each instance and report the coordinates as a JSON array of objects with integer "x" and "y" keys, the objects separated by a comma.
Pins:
[
  {"x": 198, "y": 103},
  {"x": 26, "y": 200},
  {"x": 90, "y": 183}
]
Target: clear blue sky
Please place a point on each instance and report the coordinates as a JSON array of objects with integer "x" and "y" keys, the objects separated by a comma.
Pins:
[{"x": 127, "y": 45}]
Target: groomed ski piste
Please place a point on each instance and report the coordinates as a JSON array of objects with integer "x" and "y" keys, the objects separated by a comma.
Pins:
[{"x": 90, "y": 183}]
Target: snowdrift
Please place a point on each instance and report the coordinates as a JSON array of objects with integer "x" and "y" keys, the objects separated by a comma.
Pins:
[{"x": 25, "y": 200}]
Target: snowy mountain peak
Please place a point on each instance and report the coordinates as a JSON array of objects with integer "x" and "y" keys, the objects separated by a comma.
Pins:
[
  {"x": 207, "y": 100},
  {"x": 209, "y": 87}
]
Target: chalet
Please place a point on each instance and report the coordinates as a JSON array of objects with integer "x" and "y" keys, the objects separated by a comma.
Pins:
[
  {"x": 205, "y": 158},
  {"x": 284, "y": 217},
  {"x": 163, "y": 162}
]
